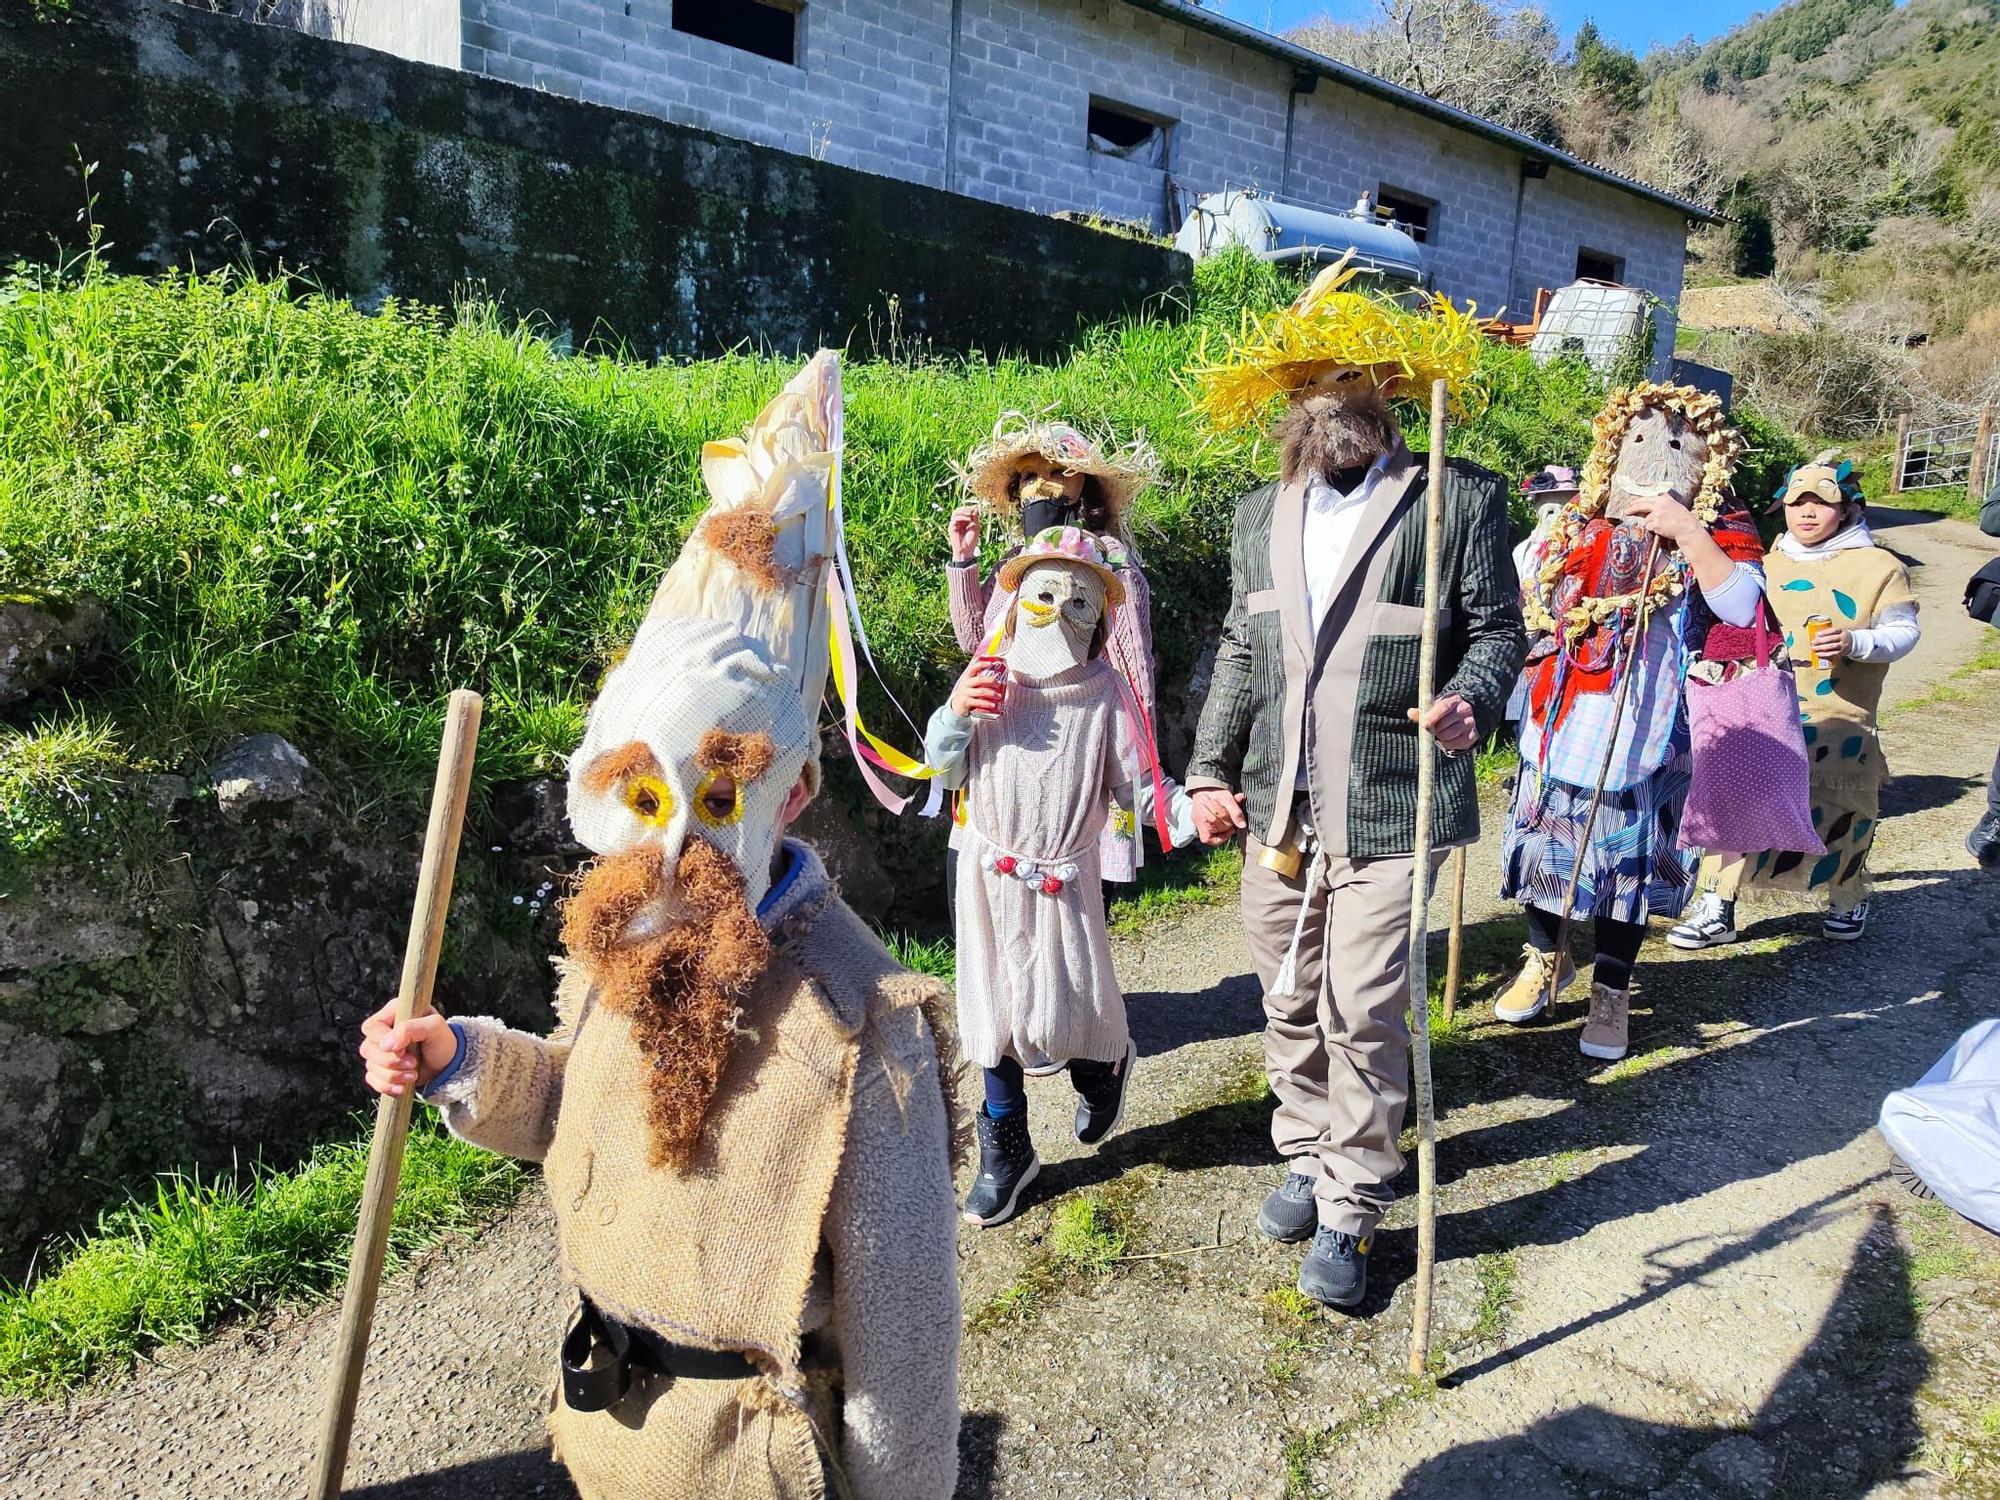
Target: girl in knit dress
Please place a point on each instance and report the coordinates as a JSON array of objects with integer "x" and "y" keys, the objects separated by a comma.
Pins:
[
  {"x": 1035, "y": 475},
  {"x": 1045, "y": 741},
  {"x": 1847, "y": 611}
]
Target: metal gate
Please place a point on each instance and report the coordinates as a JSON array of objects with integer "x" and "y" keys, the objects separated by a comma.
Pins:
[{"x": 1947, "y": 455}]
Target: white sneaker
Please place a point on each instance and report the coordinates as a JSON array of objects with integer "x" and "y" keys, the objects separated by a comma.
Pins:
[
  {"x": 1846, "y": 926},
  {"x": 1711, "y": 924}
]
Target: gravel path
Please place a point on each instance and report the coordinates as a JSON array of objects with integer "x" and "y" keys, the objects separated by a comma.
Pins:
[{"x": 1684, "y": 1275}]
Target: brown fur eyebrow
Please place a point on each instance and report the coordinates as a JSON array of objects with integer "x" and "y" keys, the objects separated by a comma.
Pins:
[
  {"x": 630, "y": 759},
  {"x": 748, "y": 537},
  {"x": 744, "y": 756}
]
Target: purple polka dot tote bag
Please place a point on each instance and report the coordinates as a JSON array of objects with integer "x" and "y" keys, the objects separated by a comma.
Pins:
[{"x": 1749, "y": 789}]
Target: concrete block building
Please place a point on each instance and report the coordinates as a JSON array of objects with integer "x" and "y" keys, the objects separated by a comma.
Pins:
[{"x": 1129, "y": 109}]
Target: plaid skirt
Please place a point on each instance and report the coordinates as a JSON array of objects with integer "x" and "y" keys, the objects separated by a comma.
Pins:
[{"x": 1633, "y": 869}]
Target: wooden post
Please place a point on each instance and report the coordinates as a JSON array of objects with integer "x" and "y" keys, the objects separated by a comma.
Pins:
[
  {"x": 1420, "y": 894},
  {"x": 1902, "y": 453},
  {"x": 1455, "y": 953},
  {"x": 392, "y": 1114},
  {"x": 1975, "y": 474}
]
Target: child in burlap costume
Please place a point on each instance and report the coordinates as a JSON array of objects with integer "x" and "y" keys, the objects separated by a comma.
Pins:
[
  {"x": 1041, "y": 760},
  {"x": 1847, "y": 611},
  {"x": 745, "y": 1112}
]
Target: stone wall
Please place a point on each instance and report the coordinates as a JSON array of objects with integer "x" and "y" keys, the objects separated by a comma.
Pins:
[{"x": 215, "y": 139}]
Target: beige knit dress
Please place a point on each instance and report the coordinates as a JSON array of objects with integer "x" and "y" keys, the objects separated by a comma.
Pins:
[{"x": 1035, "y": 981}]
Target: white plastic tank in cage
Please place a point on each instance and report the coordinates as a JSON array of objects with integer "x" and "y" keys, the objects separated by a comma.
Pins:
[{"x": 1595, "y": 319}]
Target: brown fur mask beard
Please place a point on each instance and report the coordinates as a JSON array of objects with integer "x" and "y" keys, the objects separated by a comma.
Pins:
[
  {"x": 680, "y": 988},
  {"x": 1322, "y": 435}
]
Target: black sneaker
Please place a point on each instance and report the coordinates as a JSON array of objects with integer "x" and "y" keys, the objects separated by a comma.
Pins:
[
  {"x": 1007, "y": 1164},
  {"x": 1846, "y": 926},
  {"x": 1290, "y": 1213},
  {"x": 1335, "y": 1270},
  {"x": 1100, "y": 1102},
  {"x": 1983, "y": 843},
  {"x": 1711, "y": 924}
]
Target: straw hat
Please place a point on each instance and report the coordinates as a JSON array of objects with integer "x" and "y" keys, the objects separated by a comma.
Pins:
[
  {"x": 1123, "y": 473},
  {"x": 1276, "y": 354},
  {"x": 1065, "y": 544}
]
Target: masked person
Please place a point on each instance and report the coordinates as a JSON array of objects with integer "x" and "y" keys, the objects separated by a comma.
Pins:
[
  {"x": 744, "y": 1113},
  {"x": 1307, "y": 739},
  {"x": 1660, "y": 467},
  {"x": 1847, "y": 611},
  {"x": 1549, "y": 489},
  {"x": 1041, "y": 754},
  {"x": 1039, "y": 475}
]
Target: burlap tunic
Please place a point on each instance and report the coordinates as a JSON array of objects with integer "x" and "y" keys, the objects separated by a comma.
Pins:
[
  {"x": 1035, "y": 979},
  {"x": 819, "y": 1200}
]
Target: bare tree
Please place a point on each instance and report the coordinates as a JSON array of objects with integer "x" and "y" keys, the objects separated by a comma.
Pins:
[{"x": 1500, "y": 60}]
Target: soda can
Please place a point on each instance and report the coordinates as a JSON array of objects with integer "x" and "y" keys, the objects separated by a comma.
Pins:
[
  {"x": 1813, "y": 626},
  {"x": 994, "y": 668}
]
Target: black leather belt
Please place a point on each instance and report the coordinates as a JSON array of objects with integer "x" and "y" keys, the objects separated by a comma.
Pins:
[{"x": 599, "y": 1354}]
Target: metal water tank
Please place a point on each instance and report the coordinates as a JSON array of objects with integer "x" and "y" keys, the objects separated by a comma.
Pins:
[{"x": 1277, "y": 230}]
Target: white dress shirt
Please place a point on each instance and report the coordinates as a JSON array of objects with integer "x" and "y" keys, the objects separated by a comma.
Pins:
[{"x": 1332, "y": 518}]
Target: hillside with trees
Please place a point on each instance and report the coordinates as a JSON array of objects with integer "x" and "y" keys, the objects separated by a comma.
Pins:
[{"x": 1853, "y": 144}]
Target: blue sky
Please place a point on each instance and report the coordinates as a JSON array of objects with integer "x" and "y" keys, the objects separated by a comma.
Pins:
[{"x": 1632, "y": 25}]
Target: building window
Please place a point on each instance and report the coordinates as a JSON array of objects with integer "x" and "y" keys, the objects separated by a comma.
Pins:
[
  {"x": 1595, "y": 265},
  {"x": 1416, "y": 216},
  {"x": 1119, "y": 130},
  {"x": 769, "y": 30}
]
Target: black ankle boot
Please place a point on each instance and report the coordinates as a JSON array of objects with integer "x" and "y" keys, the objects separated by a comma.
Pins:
[{"x": 1006, "y": 1165}]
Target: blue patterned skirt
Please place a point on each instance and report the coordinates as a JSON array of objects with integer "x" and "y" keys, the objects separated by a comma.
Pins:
[{"x": 1633, "y": 869}]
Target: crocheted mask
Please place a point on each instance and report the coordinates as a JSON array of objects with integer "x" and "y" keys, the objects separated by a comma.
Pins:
[
  {"x": 1058, "y": 607},
  {"x": 697, "y": 734}
]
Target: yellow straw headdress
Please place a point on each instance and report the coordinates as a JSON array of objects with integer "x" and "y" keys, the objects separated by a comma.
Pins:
[{"x": 1276, "y": 353}]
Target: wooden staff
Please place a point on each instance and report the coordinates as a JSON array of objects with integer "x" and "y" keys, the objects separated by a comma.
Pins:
[
  {"x": 1455, "y": 953},
  {"x": 392, "y": 1112},
  {"x": 1420, "y": 892},
  {"x": 1640, "y": 611}
]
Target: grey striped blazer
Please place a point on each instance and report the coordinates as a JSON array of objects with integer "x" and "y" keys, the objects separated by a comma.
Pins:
[{"x": 1338, "y": 702}]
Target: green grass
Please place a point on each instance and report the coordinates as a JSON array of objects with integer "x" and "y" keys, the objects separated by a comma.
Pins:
[
  {"x": 1178, "y": 883},
  {"x": 1937, "y": 1249},
  {"x": 1302, "y": 1449},
  {"x": 937, "y": 957},
  {"x": 308, "y": 520},
  {"x": 1085, "y": 1236},
  {"x": 170, "y": 1270},
  {"x": 1498, "y": 1273}
]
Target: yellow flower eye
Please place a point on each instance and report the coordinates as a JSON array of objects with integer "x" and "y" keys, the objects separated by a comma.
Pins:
[
  {"x": 651, "y": 799},
  {"x": 718, "y": 801}
]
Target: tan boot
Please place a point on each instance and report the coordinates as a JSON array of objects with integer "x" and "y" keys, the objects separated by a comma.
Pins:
[
  {"x": 1528, "y": 996},
  {"x": 1604, "y": 1033}
]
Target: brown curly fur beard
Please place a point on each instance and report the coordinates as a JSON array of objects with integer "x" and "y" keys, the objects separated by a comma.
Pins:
[
  {"x": 682, "y": 988},
  {"x": 1319, "y": 436}
]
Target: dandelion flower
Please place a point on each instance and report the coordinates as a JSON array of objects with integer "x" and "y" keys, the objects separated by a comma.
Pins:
[{"x": 236, "y": 471}]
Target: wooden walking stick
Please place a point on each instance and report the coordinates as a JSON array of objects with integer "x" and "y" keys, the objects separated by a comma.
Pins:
[
  {"x": 1420, "y": 893},
  {"x": 1455, "y": 952},
  {"x": 392, "y": 1113},
  {"x": 1639, "y": 613}
]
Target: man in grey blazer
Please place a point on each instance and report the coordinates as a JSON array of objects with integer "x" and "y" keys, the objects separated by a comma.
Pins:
[{"x": 1308, "y": 745}]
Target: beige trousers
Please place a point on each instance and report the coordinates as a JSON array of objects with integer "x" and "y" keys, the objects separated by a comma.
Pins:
[{"x": 1337, "y": 1049}]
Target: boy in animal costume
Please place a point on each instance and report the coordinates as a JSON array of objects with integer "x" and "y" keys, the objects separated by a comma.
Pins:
[
  {"x": 1847, "y": 611},
  {"x": 1042, "y": 755},
  {"x": 1307, "y": 742},
  {"x": 745, "y": 1111}
]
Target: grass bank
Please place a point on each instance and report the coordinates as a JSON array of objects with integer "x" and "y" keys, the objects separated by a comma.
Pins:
[
  {"x": 168, "y": 1270},
  {"x": 313, "y": 521}
]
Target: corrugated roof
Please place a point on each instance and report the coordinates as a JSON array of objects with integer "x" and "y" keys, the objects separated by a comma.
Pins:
[{"x": 1307, "y": 60}]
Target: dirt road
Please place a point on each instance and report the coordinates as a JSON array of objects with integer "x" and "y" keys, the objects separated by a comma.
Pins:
[{"x": 1681, "y": 1275}]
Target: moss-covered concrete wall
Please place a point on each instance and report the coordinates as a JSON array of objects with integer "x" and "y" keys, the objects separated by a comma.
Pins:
[{"x": 217, "y": 140}]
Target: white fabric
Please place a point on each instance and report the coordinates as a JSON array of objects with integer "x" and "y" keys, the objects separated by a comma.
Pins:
[
  {"x": 683, "y": 677},
  {"x": 1057, "y": 607},
  {"x": 1844, "y": 540},
  {"x": 1332, "y": 518},
  {"x": 1947, "y": 1125},
  {"x": 1890, "y": 636},
  {"x": 1735, "y": 600}
]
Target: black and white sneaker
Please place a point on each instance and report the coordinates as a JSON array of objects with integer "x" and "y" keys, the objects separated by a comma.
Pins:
[
  {"x": 1007, "y": 1163},
  {"x": 1845, "y": 926},
  {"x": 1711, "y": 924},
  {"x": 1290, "y": 1213},
  {"x": 1100, "y": 1102}
]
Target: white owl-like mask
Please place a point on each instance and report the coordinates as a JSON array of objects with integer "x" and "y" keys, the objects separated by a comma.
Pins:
[
  {"x": 1058, "y": 607},
  {"x": 696, "y": 734}
]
